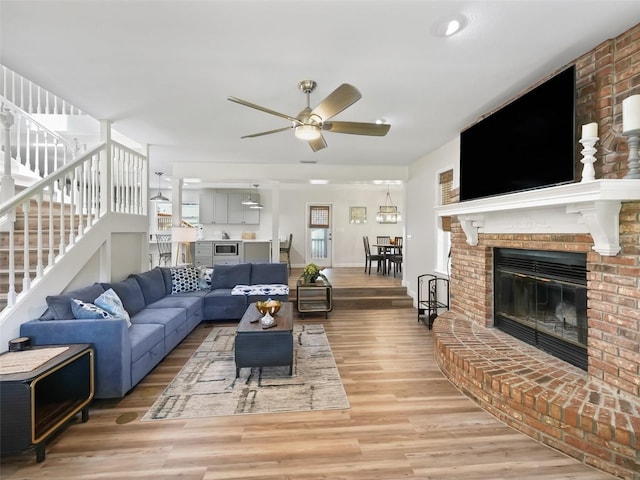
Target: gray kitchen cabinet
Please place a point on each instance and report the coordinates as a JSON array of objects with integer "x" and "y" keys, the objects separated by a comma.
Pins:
[
  {"x": 235, "y": 209},
  {"x": 226, "y": 208},
  {"x": 206, "y": 213},
  {"x": 220, "y": 207},
  {"x": 204, "y": 253}
]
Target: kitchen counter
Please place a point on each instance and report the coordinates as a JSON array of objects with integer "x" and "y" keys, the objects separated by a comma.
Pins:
[{"x": 208, "y": 251}]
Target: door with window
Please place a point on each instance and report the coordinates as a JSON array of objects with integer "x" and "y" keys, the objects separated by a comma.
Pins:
[{"x": 319, "y": 235}]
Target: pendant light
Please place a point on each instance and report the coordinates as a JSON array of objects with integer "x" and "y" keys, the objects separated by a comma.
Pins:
[
  {"x": 256, "y": 205},
  {"x": 249, "y": 201},
  {"x": 388, "y": 213},
  {"x": 159, "y": 196}
]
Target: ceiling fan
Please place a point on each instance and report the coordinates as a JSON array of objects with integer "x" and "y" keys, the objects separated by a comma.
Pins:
[{"x": 309, "y": 123}]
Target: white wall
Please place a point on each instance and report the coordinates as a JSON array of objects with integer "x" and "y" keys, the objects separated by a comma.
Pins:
[{"x": 422, "y": 225}]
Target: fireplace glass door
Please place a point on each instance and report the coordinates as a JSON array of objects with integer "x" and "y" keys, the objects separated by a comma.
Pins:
[{"x": 541, "y": 298}]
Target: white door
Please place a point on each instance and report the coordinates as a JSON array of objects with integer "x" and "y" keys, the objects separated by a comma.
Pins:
[{"x": 319, "y": 235}]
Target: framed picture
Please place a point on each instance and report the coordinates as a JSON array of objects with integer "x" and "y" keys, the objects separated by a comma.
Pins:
[{"x": 357, "y": 214}]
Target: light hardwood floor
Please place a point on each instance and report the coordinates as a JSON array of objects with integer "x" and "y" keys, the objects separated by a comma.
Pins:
[{"x": 406, "y": 421}]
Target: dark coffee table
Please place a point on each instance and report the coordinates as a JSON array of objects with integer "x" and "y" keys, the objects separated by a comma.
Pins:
[{"x": 264, "y": 347}]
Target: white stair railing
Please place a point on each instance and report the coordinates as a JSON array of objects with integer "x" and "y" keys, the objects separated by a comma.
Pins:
[
  {"x": 108, "y": 178},
  {"x": 31, "y": 97},
  {"x": 34, "y": 146}
]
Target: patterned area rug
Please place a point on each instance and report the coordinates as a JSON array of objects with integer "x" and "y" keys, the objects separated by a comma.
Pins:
[{"x": 207, "y": 385}]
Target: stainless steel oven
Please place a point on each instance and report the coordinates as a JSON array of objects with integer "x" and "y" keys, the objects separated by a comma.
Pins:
[{"x": 226, "y": 249}]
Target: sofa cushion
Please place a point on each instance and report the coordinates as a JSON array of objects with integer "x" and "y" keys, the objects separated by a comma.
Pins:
[
  {"x": 130, "y": 293},
  {"x": 222, "y": 296},
  {"x": 86, "y": 310},
  {"x": 152, "y": 285},
  {"x": 111, "y": 303},
  {"x": 269, "y": 273},
  {"x": 181, "y": 300},
  {"x": 143, "y": 337},
  {"x": 166, "y": 274},
  {"x": 170, "y": 318},
  {"x": 228, "y": 276},
  {"x": 60, "y": 305},
  {"x": 184, "y": 279}
]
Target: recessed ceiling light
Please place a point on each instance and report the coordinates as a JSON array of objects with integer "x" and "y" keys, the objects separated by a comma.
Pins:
[
  {"x": 318, "y": 182},
  {"x": 450, "y": 25}
]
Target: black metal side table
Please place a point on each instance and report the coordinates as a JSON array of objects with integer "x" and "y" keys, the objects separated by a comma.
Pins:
[{"x": 37, "y": 403}]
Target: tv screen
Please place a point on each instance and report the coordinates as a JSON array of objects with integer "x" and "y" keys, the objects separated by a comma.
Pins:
[{"x": 530, "y": 143}]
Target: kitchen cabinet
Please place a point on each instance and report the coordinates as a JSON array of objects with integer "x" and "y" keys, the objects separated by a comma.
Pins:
[
  {"x": 206, "y": 213},
  {"x": 239, "y": 214},
  {"x": 220, "y": 207},
  {"x": 226, "y": 208},
  {"x": 204, "y": 254}
]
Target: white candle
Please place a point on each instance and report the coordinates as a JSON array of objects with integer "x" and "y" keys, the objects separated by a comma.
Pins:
[
  {"x": 631, "y": 113},
  {"x": 590, "y": 130}
]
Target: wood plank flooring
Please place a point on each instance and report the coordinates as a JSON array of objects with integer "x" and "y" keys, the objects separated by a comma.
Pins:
[{"x": 406, "y": 421}]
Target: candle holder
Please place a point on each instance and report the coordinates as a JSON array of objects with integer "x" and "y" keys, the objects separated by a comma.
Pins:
[
  {"x": 588, "y": 151},
  {"x": 633, "y": 139}
]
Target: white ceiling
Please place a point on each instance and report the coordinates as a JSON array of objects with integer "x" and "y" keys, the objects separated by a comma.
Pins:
[{"x": 161, "y": 70}]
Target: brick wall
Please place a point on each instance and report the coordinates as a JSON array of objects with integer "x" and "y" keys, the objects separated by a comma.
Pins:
[{"x": 605, "y": 76}]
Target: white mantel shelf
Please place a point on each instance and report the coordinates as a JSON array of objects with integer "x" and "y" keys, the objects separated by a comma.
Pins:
[{"x": 586, "y": 207}]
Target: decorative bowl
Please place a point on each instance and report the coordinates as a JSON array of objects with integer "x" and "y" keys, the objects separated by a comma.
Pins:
[{"x": 269, "y": 306}]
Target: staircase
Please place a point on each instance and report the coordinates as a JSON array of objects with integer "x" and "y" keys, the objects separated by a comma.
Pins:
[{"x": 63, "y": 221}]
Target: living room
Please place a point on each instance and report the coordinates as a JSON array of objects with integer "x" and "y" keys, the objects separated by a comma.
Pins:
[{"x": 611, "y": 165}]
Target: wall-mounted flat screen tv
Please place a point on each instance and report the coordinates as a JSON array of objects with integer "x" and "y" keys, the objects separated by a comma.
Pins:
[{"x": 529, "y": 143}]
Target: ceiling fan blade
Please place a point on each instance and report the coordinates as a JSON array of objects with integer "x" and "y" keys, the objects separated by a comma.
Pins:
[
  {"x": 357, "y": 128},
  {"x": 264, "y": 109},
  {"x": 267, "y": 133},
  {"x": 342, "y": 97},
  {"x": 318, "y": 144}
]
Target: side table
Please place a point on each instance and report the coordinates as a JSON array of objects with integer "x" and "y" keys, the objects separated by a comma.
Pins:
[
  {"x": 314, "y": 297},
  {"x": 37, "y": 403}
]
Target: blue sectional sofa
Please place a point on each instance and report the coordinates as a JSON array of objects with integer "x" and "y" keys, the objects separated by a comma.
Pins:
[{"x": 162, "y": 309}]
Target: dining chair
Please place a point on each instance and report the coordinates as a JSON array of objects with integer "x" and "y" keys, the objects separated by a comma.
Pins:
[
  {"x": 286, "y": 251},
  {"x": 396, "y": 257},
  {"x": 369, "y": 257},
  {"x": 164, "y": 248}
]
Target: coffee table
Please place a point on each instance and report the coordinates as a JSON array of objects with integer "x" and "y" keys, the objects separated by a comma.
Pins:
[{"x": 264, "y": 347}]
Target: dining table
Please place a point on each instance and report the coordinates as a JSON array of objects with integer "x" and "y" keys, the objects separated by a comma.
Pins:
[{"x": 387, "y": 250}]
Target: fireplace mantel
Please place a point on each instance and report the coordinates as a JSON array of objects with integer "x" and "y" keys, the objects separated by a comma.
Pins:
[{"x": 585, "y": 207}]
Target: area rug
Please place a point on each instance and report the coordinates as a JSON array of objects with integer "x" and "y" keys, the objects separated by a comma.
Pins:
[{"x": 207, "y": 385}]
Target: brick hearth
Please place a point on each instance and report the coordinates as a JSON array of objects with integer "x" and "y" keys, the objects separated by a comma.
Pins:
[{"x": 544, "y": 397}]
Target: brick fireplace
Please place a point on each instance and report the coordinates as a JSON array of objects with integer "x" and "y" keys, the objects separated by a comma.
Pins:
[{"x": 592, "y": 415}]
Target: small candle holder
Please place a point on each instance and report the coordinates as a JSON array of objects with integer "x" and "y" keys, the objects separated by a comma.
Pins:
[
  {"x": 588, "y": 152},
  {"x": 633, "y": 139}
]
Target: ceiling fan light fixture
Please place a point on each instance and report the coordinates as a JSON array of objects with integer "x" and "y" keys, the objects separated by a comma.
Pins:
[{"x": 307, "y": 132}]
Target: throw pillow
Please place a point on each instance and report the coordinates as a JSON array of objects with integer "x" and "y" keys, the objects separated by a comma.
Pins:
[
  {"x": 205, "y": 274},
  {"x": 85, "y": 310},
  {"x": 184, "y": 280},
  {"x": 110, "y": 302}
]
